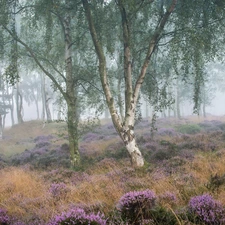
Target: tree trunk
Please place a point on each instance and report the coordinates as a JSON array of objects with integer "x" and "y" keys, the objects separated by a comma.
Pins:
[
  {"x": 43, "y": 97},
  {"x": 71, "y": 99},
  {"x": 37, "y": 106},
  {"x": 19, "y": 104},
  {"x": 12, "y": 111},
  {"x": 1, "y": 127},
  {"x": 48, "y": 112},
  {"x": 177, "y": 100},
  {"x": 73, "y": 135},
  {"x": 204, "y": 101},
  {"x": 128, "y": 137},
  {"x": 11, "y": 105},
  {"x": 125, "y": 128},
  {"x": 120, "y": 101}
]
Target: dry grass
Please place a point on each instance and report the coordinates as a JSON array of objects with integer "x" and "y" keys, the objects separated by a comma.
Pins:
[
  {"x": 25, "y": 193},
  {"x": 21, "y": 136},
  {"x": 22, "y": 192}
]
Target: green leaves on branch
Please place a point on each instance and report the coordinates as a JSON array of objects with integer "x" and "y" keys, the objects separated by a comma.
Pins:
[{"x": 11, "y": 74}]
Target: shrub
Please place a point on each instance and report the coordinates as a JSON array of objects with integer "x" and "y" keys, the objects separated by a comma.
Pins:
[
  {"x": 189, "y": 128},
  {"x": 78, "y": 216},
  {"x": 168, "y": 197},
  {"x": 58, "y": 190},
  {"x": 162, "y": 216},
  {"x": 4, "y": 218},
  {"x": 167, "y": 132},
  {"x": 135, "y": 206},
  {"x": 204, "y": 209}
]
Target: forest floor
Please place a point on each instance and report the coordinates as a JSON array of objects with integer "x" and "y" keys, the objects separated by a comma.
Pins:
[{"x": 184, "y": 158}]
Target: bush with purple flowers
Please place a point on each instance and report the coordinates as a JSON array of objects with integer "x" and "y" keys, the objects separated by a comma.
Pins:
[
  {"x": 4, "y": 218},
  {"x": 204, "y": 209},
  {"x": 78, "y": 216},
  {"x": 168, "y": 197},
  {"x": 58, "y": 190},
  {"x": 135, "y": 206}
]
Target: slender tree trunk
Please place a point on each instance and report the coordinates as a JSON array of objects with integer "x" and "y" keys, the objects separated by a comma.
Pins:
[
  {"x": 146, "y": 109},
  {"x": 48, "y": 112},
  {"x": 178, "y": 100},
  {"x": 12, "y": 110},
  {"x": 37, "y": 107},
  {"x": 204, "y": 101},
  {"x": 19, "y": 104},
  {"x": 45, "y": 101},
  {"x": 120, "y": 101},
  {"x": 125, "y": 128},
  {"x": 43, "y": 97},
  {"x": 1, "y": 127},
  {"x": 73, "y": 134},
  {"x": 71, "y": 100}
]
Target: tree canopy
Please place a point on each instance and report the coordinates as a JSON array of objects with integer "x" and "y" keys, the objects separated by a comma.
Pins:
[{"x": 97, "y": 52}]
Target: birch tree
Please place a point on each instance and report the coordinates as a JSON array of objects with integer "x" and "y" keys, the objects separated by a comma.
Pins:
[{"x": 128, "y": 11}]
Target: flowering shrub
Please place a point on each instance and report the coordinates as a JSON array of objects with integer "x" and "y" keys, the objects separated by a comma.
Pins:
[
  {"x": 166, "y": 132},
  {"x": 189, "y": 128},
  {"x": 4, "y": 218},
  {"x": 134, "y": 206},
  {"x": 43, "y": 155},
  {"x": 78, "y": 216},
  {"x": 205, "y": 209},
  {"x": 58, "y": 190},
  {"x": 168, "y": 197}
]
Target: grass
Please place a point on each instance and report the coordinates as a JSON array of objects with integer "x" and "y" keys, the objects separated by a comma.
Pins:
[{"x": 24, "y": 191}]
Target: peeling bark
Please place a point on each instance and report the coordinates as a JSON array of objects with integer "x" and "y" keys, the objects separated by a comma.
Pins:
[{"x": 125, "y": 128}]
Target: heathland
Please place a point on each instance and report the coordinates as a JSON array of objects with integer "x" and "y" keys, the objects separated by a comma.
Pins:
[{"x": 182, "y": 182}]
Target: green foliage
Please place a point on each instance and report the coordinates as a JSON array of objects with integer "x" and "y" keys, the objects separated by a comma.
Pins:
[
  {"x": 215, "y": 182},
  {"x": 162, "y": 216},
  {"x": 117, "y": 153},
  {"x": 189, "y": 128}
]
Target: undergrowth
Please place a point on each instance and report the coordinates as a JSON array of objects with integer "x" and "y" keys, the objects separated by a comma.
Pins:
[{"x": 180, "y": 172}]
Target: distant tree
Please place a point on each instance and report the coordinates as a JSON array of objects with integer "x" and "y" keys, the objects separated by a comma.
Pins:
[
  {"x": 47, "y": 36},
  {"x": 5, "y": 103},
  {"x": 31, "y": 87}
]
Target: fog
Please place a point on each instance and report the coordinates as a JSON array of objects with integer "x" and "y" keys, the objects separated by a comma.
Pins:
[{"x": 216, "y": 108}]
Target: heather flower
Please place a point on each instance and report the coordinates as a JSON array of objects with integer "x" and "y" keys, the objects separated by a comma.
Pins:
[
  {"x": 78, "y": 216},
  {"x": 90, "y": 137},
  {"x": 4, "y": 218},
  {"x": 166, "y": 132},
  {"x": 134, "y": 206},
  {"x": 168, "y": 197},
  {"x": 58, "y": 190},
  {"x": 205, "y": 209}
]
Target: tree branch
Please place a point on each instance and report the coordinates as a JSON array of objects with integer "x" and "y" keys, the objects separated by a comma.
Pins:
[
  {"x": 152, "y": 44},
  {"x": 36, "y": 60}
]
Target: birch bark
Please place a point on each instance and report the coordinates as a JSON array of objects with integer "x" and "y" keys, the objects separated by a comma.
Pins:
[{"x": 125, "y": 128}]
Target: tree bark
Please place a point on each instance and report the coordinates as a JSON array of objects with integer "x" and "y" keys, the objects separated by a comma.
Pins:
[
  {"x": 1, "y": 127},
  {"x": 69, "y": 95},
  {"x": 178, "y": 100},
  {"x": 12, "y": 111},
  {"x": 19, "y": 104},
  {"x": 71, "y": 99},
  {"x": 43, "y": 97},
  {"x": 125, "y": 128},
  {"x": 120, "y": 100}
]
